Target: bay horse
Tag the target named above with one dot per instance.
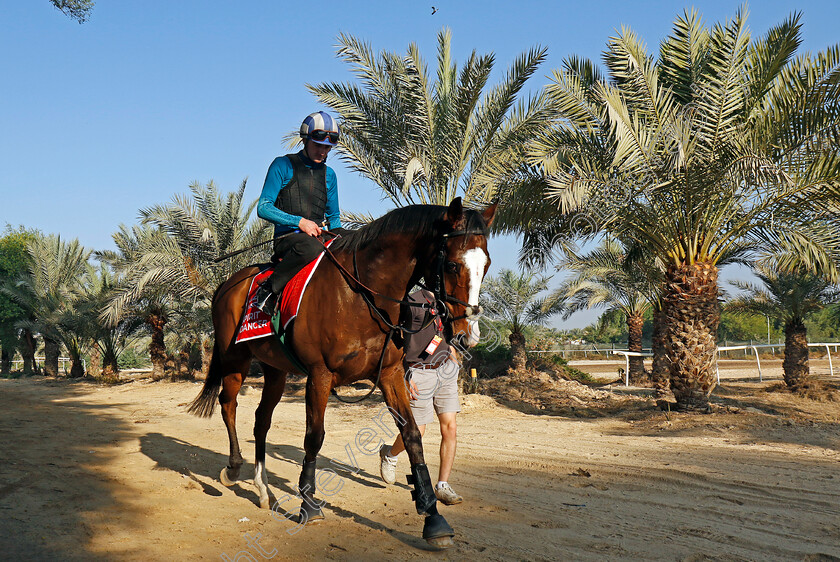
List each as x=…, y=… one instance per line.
x=342, y=334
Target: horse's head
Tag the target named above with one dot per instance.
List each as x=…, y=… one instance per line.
x=455, y=274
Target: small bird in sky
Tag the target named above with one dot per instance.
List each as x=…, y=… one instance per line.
x=434, y=10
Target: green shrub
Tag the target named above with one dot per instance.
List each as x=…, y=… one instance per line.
x=489, y=362
x=130, y=359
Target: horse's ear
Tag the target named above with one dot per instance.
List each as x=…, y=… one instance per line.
x=490, y=213
x=455, y=214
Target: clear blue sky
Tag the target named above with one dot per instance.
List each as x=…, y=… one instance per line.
x=102, y=119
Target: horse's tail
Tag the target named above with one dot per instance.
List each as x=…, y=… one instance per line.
x=205, y=403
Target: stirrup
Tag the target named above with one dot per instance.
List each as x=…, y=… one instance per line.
x=266, y=300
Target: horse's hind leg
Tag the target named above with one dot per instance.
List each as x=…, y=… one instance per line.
x=274, y=385
x=231, y=384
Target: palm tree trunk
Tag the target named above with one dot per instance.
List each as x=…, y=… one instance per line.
x=157, y=347
x=795, y=365
x=170, y=366
x=27, y=352
x=692, y=316
x=659, y=369
x=5, y=360
x=109, y=363
x=196, y=360
x=635, y=323
x=182, y=362
x=76, y=368
x=517, y=348
x=95, y=367
x=51, y=353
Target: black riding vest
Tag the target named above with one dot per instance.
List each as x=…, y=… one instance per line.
x=306, y=193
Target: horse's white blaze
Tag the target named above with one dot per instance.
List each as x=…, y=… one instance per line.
x=259, y=482
x=475, y=260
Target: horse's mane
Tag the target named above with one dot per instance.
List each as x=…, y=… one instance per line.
x=420, y=221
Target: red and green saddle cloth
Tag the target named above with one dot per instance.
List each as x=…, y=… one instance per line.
x=258, y=324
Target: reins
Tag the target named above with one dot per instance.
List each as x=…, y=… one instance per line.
x=439, y=292
x=440, y=287
x=263, y=243
x=367, y=293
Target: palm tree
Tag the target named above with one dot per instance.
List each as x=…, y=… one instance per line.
x=75, y=340
x=107, y=340
x=511, y=299
x=790, y=297
x=720, y=145
x=46, y=291
x=196, y=231
x=78, y=10
x=169, y=263
x=134, y=297
x=190, y=329
x=609, y=276
x=427, y=139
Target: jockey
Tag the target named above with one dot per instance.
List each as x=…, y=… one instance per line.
x=300, y=197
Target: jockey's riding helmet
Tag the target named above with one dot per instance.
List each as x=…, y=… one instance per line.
x=321, y=128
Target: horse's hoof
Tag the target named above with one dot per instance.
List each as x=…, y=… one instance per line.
x=223, y=478
x=310, y=513
x=437, y=531
x=441, y=542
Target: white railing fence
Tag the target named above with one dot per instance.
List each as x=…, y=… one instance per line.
x=587, y=350
x=746, y=348
x=63, y=363
x=627, y=355
x=755, y=349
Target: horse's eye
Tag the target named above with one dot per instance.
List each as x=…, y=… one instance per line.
x=451, y=267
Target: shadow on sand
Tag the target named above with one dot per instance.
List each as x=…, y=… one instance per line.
x=192, y=460
x=53, y=443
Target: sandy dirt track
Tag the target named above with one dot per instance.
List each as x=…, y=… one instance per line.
x=123, y=473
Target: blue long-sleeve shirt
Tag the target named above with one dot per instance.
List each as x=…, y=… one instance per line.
x=280, y=173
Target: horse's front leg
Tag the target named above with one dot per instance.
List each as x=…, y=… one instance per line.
x=318, y=387
x=436, y=530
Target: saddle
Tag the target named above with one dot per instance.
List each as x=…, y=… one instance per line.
x=284, y=307
x=262, y=319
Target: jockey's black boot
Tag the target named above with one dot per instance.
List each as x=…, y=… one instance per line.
x=266, y=300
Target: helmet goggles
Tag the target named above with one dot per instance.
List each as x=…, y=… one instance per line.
x=321, y=128
x=320, y=136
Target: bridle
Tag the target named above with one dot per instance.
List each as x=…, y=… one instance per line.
x=442, y=263
x=438, y=308
x=438, y=289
